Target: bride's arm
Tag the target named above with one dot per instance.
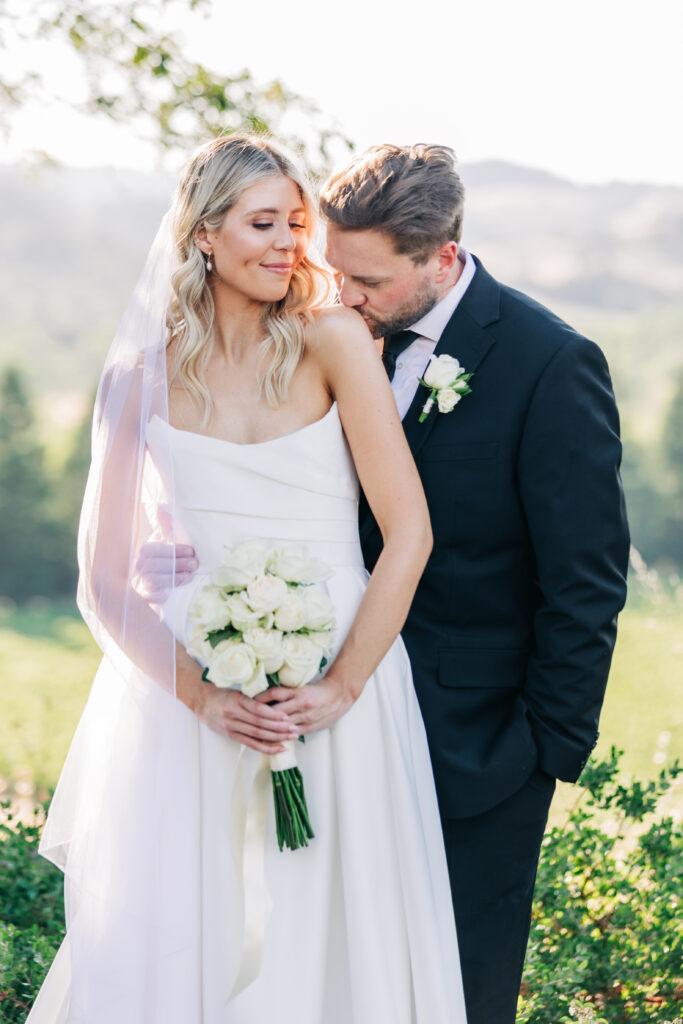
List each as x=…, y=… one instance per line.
x=353, y=370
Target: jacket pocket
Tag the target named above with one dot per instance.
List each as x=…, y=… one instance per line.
x=458, y=452
x=467, y=667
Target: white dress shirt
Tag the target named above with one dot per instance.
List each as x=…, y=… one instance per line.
x=413, y=361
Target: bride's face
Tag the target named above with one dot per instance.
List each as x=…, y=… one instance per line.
x=262, y=238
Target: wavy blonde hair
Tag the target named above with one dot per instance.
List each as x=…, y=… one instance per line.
x=212, y=182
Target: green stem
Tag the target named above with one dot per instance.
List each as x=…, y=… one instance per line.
x=292, y=822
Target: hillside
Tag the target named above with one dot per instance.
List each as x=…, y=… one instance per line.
x=608, y=258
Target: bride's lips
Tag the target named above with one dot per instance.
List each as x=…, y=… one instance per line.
x=278, y=268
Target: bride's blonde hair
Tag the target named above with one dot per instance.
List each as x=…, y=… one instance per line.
x=212, y=182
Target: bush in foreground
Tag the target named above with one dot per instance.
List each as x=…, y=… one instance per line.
x=31, y=916
x=606, y=944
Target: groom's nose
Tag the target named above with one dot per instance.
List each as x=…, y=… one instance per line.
x=350, y=294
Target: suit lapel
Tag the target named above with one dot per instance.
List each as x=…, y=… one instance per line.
x=464, y=338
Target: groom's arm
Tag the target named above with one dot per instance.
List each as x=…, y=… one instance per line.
x=571, y=491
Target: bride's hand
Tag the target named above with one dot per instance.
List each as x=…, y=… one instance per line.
x=311, y=707
x=246, y=720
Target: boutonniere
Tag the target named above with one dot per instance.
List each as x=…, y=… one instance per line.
x=447, y=383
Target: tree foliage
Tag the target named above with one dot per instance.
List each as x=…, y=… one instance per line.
x=673, y=438
x=138, y=74
x=37, y=555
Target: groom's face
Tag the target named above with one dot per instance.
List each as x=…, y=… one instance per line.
x=389, y=290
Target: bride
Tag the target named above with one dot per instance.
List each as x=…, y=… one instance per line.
x=237, y=404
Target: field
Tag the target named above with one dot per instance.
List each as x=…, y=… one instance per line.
x=48, y=659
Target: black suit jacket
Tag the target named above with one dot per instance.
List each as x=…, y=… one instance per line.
x=511, y=631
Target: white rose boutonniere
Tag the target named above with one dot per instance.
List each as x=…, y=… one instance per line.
x=447, y=383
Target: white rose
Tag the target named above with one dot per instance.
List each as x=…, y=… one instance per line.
x=243, y=563
x=266, y=593
x=447, y=399
x=267, y=646
x=322, y=638
x=257, y=684
x=199, y=647
x=442, y=371
x=294, y=564
x=319, y=610
x=291, y=614
x=233, y=665
x=302, y=661
x=209, y=610
x=241, y=615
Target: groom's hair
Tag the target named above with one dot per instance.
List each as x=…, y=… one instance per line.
x=414, y=194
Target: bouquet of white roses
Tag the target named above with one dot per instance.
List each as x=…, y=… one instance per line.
x=259, y=623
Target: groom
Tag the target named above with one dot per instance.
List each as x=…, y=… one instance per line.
x=511, y=631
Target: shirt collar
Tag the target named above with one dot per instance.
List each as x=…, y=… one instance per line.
x=432, y=324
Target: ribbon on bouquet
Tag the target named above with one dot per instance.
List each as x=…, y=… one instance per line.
x=249, y=821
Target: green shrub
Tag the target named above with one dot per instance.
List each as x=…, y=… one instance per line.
x=31, y=916
x=606, y=942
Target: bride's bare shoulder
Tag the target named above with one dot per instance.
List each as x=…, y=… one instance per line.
x=337, y=326
x=338, y=318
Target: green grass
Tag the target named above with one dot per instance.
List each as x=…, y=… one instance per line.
x=643, y=710
x=47, y=662
x=48, y=659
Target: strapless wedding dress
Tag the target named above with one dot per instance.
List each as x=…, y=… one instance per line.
x=361, y=929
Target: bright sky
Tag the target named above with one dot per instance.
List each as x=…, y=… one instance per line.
x=591, y=90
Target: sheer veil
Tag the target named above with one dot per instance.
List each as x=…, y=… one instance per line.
x=134, y=737
x=126, y=496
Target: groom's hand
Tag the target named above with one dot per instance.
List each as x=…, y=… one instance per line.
x=160, y=567
x=312, y=707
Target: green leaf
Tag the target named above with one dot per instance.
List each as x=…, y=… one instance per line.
x=217, y=636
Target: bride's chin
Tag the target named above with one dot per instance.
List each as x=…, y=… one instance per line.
x=275, y=294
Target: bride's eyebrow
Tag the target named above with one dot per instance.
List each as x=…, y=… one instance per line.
x=273, y=211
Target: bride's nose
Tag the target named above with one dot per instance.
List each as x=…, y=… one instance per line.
x=285, y=240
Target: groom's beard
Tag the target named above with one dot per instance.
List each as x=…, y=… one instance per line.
x=405, y=316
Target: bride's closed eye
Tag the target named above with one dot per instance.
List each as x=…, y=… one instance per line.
x=263, y=226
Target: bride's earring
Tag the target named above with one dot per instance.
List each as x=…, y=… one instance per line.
x=209, y=264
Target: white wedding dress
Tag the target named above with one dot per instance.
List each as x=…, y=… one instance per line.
x=361, y=929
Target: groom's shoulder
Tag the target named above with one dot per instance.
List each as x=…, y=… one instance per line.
x=528, y=324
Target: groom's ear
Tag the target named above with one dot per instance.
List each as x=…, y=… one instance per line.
x=447, y=257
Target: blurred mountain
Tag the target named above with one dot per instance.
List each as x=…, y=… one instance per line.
x=608, y=247
x=609, y=258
